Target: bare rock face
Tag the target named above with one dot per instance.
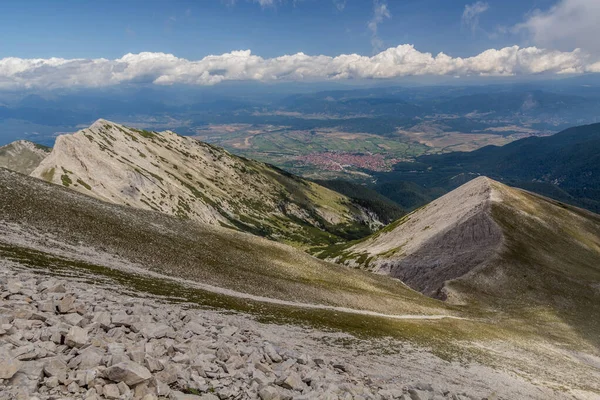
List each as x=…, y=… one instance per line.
x=181, y=176
x=437, y=243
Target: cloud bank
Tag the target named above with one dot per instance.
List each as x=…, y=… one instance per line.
x=400, y=61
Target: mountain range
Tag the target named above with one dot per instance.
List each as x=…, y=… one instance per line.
x=448, y=249
x=181, y=176
x=564, y=166
x=488, y=273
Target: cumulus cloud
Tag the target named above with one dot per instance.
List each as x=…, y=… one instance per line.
x=471, y=13
x=566, y=25
x=380, y=13
x=167, y=69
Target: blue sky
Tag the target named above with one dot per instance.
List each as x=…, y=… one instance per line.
x=52, y=44
x=193, y=29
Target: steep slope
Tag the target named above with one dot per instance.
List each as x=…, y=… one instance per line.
x=22, y=156
x=387, y=209
x=489, y=244
x=181, y=176
x=45, y=223
x=438, y=242
x=138, y=254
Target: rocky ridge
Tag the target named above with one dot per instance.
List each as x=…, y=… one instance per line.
x=488, y=243
x=178, y=175
x=440, y=241
x=22, y=156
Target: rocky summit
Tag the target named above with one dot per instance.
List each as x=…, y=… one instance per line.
x=181, y=176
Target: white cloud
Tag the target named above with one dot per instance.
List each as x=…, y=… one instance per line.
x=471, y=13
x=339, y=4
x=380, y=12
x=167, y=69
x=568, y=24
x=265, y=3
x=262, y=3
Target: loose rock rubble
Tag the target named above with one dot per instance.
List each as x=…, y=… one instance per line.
x=69, y=339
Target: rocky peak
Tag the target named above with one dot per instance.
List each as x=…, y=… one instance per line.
x=178, y=175
x=22, y=156
x=438, y=242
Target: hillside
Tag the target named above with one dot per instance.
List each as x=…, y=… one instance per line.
x=494, y=246
x=387, y=209
x=22, y=156
x=181, y=176
x=36, y=216
x=565, y=166
x=145, y=261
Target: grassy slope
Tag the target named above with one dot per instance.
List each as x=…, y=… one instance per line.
x=548, y=271
x=239, y=261
x=367, y=197
x=200, y=252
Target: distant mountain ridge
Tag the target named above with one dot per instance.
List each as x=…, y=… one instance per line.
x=564, y=166
x=181, y=176
x=22, y=156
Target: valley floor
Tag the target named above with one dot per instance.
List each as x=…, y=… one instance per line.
x=76, y=335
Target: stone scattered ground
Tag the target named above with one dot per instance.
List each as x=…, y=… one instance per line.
x=68, y=338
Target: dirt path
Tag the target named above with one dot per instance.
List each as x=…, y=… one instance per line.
x=89, y=255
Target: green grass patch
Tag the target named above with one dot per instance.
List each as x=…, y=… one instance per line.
x=84, y=184
x=66, y=181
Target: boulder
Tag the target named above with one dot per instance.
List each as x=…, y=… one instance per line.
x=293, y=382
x=102, y=318
x=66, y=304
x=111, y=391
x=269, y=393
x=77, y=337
x=128, y=372
x=272, y=353
x=123, y=319
x=56, y=367
x=154, y=331
x=8, y=365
